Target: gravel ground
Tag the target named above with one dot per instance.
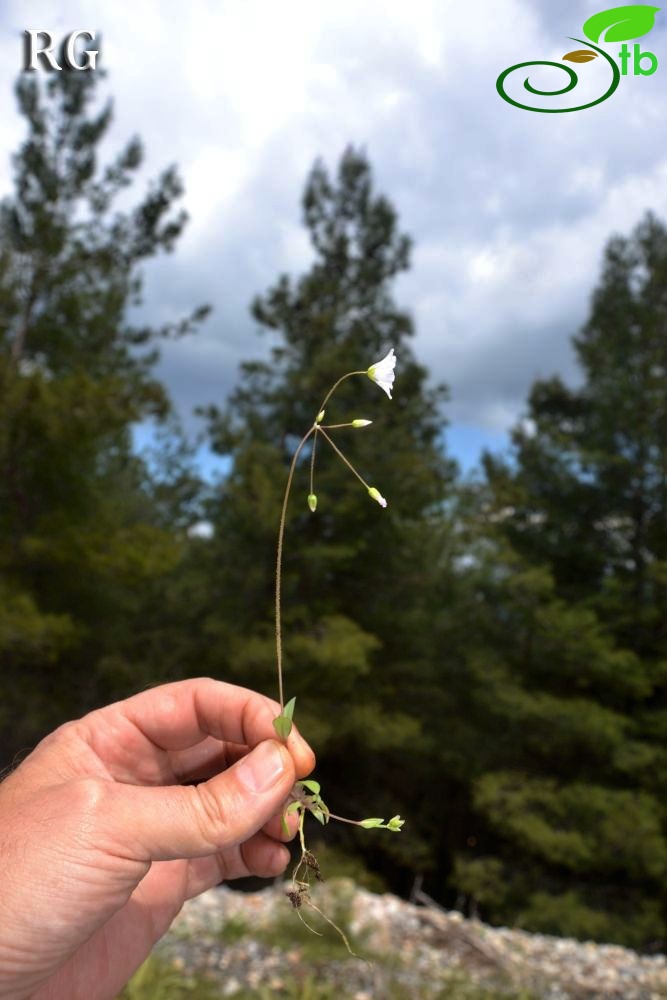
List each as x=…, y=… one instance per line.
x=230, y=937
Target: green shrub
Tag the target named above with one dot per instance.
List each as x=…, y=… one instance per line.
x=156, y=980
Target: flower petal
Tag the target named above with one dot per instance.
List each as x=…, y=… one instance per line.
x=382, y=372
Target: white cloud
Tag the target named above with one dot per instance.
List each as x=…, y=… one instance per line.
x=509, y=210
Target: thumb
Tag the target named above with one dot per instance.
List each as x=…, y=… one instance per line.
x=161, y=824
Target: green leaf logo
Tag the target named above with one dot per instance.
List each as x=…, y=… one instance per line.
x=620, y=23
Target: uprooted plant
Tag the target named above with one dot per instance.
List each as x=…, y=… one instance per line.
x=306, y=795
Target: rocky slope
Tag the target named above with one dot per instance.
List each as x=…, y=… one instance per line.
x=255, y=941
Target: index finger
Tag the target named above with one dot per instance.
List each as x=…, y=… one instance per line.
x=181, y=714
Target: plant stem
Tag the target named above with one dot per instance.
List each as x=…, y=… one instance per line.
x=301, y=836
x=342, y=819
x=342, y=456
x=302, y=839
x=279, y=566
x=335, y=386
x=334, y=427
x=312, y=462
x=281, y=530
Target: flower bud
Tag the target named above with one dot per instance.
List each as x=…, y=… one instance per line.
x=320, y=417
x=376, y=495
x=361, y=423
x=312, y=502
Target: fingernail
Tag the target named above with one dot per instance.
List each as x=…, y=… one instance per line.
x=262, y=767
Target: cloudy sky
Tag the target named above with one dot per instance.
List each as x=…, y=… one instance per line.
x=509, y=210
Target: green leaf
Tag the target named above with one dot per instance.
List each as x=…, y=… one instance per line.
x=283, y=726
x=319, y=816
x=620, y=23
x=292, y=807
x=312, y=786
x=283, y=722
x=373, y=823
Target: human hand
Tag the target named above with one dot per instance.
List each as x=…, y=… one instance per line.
x=100, y=843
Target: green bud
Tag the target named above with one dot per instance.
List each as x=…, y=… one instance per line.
x=395, y=823
x=312, y=502
x=371, y=824
x=376, y=495
x=374, y=823
x=320, y=417
x=361, y=423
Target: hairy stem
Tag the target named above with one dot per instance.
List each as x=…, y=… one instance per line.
x=302, y=839
x=312, y=462
x=279, y=566
x=342, y=819
x=335, y=386
x=283, y=514
x=334, y=427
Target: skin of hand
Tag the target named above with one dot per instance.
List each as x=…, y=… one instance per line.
x=101, y=842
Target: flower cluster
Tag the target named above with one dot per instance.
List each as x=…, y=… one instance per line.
x=382, y=373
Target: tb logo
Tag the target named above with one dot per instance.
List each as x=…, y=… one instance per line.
x=38, y=43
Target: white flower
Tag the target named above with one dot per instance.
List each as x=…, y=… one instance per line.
x=382, y=372
x=376, y=495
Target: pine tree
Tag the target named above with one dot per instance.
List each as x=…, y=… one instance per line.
x=576, y=619
x=79, y=536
